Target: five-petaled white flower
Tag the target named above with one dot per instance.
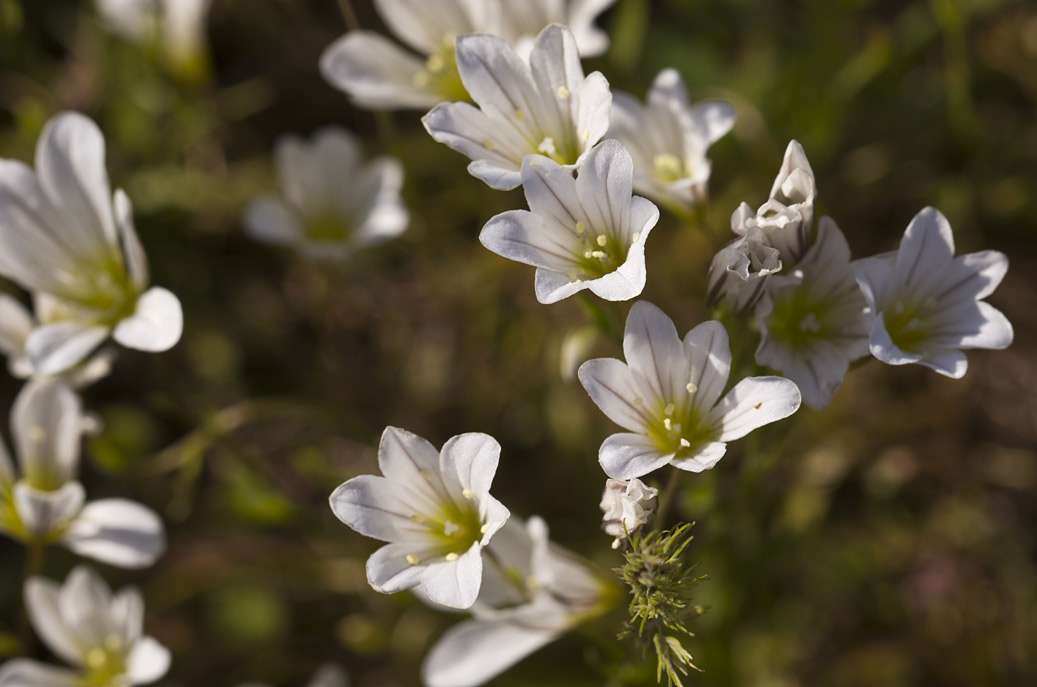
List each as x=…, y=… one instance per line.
x=545, y=106
x=332, y=202
x=582, y=233
x=533, y=593
x=668, y=138
x=815, y=321
x=435, y=509
x=928, y=304
x=88, y=627
x=739, y=270
x=64, y=238
x=627, y=505
x=45, y=504
x=379, y=74
x=668, y=394
x=329, y=675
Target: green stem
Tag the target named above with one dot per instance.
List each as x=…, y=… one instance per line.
x=33, y=567
x=348, y=15
x=667, y=499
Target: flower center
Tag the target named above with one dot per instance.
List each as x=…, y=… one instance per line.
x=103, y=285
x=599, y=254
x=327, y=228
x=440, y=74
x=677, y=427
x=908, y=323
x=669, y=168
x=454, y=528
x=798, y=319
x=106, y=665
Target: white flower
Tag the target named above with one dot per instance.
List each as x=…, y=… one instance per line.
x=545, y=106
x=96, y=632
x=332, y=203
x=929, y=304
x=788, y=216
x=627, y=505
x=669, y=138
x=379, y=74
x=668, y=394
x=533, y=593
x=739, y=270
x=582, y=233
x=815, y=321
x=329, y=675
x=45, y=504
x=179, y=25
x=64, y=238
x=435, y=509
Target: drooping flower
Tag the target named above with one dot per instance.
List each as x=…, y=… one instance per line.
x=929, y=304
x=177, y=25
x=329, y=675
x=668, y=138
x=332, y=203
x=815, y=321
x=545, y=106
x=378, y=74
x=668, y=395
x=64, y=238
x=96, y=632
x=435, y=510
x=582, y=233
x=739, y=271
x=42, y=503
x=534, y=593
x=627, y=505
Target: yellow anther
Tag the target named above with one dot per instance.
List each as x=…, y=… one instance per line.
x=520, y=115
x=411, y=559
x=417, y=518
x=599, y=254
x=580, y=227
x=602, y=240
x=96, y=658
x=588, y=254
x=485, y=528
x=468, y=493
x=685, y=443
x=668, y=424
x=635, y=237
x=547, y=146
x=563, y=93
x=435, y=63
x=586, y=135
x=488, y=144
x=691, y=388
x=668, y=167
x=451, y=556
x=668, y=410
x=638, y=401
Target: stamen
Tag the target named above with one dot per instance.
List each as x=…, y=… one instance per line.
x=417, y=518
x=602, y=240
x=638, y=401
x=96, y=658
x=563, y=93
x=668, y=424
x=691, y=388
x=449, y=528
x=580, y=227
x=668, y=410
x=635, y=237
x=520, y=115
x=435, y=63
x=468, y=494
x=599, y=254
x=547, y=146
x=685, y=443
x=451, y=556
x=485, y=528
x=411, y=559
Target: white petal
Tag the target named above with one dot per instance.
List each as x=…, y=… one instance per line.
x=117, y=532
x=474, y=651
x=46, y=512
x=704, y=457
x=976, y=325
x=555, y=67
x=379, y=508
x=376, y=72
x=23, y=672
x=714, y=117
x=127, y=614
x=407, y=458
x=755, y=402
x=496, y=149
x=925, y=253
x=948, y=362
x=6, y=469
x=972, y=276
x=269, y=220
x=708, y=353
x=330, y=675
x=612, y=387
x=454, y=584
x=595, y=109
x=156, y=324
x=43, y=604
x=625, y=456
x=654, y=353
x=389, y=572
x=85, y=601
x=147, y=662
x=424, y=25
x=496, y=78
x=605, y=186
x=469, y=461
x=883, y=347
x=54, y=348
x=15, y=325
x=875, y=277
x=551, y=286
x=551, y=193
x=386, y=217
x=524, y=237
x=46, y=423
x=136, y=260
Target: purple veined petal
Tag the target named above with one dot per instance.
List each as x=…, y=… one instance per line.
x=46, y=425
x=753, y=403
x=21, y=672
x=148, y=661
x=947, y=361
x=883, y=347
x=43, y=604
x=423, y=24
x=612, y=387
x=654, y=353
x=605, y=187
x=794, y=168
x=558, y=75
x=156, y=323
x=475, y=651
x=551, y=193
x=524, y=237
x=972, y=276
x=495, y=515
x=969, y=324
x=54, y=348
x=381, y=509
x=925, y=254
x=594, y=111
x=875, y=277
x=708, y=353
x=388, y=570
x=376, y=73
x=405, y=457
x=496, y=149
x=468, y=463
x=454, y=583
x=625, y=456
x=625, y=282
x=704, y=457
x=499, y=81
x=818, y=371
x=270, y=221
x=133, y=251
x=117, y=532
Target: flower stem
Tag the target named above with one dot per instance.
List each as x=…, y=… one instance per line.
x=667, y=498
x=348, y=15
x=33, y=567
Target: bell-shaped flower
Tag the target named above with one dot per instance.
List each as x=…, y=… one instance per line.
x=332, y=202
x=42, y=503
x=98, y=633
x=627, y=505
x=582, y=233
x=329, y=675
x=668, y=138
x=739, y=271
x=435, y=510
x=545, y=106
x=815, y=322
x=788, y=216
x=929, y=304
x=533, y=593
x=68, y=241
x=668, y=395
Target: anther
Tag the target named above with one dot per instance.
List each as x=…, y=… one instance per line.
x=563, y=92
x=691, y=388
x=602, y=240
x=411, y=559
x=451, y=556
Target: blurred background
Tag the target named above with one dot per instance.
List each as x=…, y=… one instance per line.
x=886, y=541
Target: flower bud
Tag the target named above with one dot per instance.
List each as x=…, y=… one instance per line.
x=627, y=504
x=739, y=270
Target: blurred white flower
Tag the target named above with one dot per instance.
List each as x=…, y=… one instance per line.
x=332, y=202
x=545, y=106
x=379, y=74
x=96, y=632
x=582, y=233
x=627, y=505
x=814, y=322
x=788, y=216
x=668, y=138
x=329, y=675
x=65, y=239
x=668, y=394
x=928, y=304
x=435, y=509
x=532, y=593
x=43, y=503
x=739, y=270
x=178, y=25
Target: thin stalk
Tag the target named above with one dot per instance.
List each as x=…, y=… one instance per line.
x=348, y=15
x=667, y=499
